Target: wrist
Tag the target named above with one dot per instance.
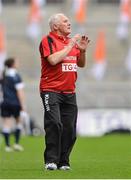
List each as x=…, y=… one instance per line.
x=82, y=50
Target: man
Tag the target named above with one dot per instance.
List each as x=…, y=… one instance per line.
x=60, y=56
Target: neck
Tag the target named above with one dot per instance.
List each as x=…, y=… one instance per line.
x=60, y=34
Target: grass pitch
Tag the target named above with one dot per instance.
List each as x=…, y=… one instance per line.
x=103, y=157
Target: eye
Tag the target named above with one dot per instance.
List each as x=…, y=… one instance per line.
x=66, y=21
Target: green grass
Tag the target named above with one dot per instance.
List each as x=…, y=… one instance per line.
x=103, y=157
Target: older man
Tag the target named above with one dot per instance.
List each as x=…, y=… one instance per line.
x=60, y=56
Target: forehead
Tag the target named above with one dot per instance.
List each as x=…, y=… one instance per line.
x=64, y=18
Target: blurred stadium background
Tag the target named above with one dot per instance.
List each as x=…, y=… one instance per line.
x=104, y=93
x=103, y=87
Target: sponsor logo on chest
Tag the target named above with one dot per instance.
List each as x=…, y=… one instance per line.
x=67, y=67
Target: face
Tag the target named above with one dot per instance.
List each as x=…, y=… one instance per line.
x=16, y=64
x=64, y=26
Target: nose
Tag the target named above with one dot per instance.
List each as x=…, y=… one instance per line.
x=69, y=24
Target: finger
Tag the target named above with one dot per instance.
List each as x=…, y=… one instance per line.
x=77, y=36
x=85, y=38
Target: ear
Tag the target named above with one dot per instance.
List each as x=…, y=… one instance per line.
x=55, y=27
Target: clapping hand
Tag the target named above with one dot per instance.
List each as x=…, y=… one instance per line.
x=75, y=39
x=83, y=43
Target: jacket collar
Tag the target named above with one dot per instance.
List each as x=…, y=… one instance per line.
x=60, y=37
x=10, y=72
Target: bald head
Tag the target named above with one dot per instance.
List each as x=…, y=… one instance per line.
x=60, y=24
x=55, y=20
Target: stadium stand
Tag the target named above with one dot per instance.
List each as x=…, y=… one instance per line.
x=114, y=91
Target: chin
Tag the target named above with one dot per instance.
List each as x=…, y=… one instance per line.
x=68, y=33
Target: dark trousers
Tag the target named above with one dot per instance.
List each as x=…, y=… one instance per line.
x=60, y=126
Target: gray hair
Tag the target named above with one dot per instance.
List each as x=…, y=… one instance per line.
x=54, y=19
